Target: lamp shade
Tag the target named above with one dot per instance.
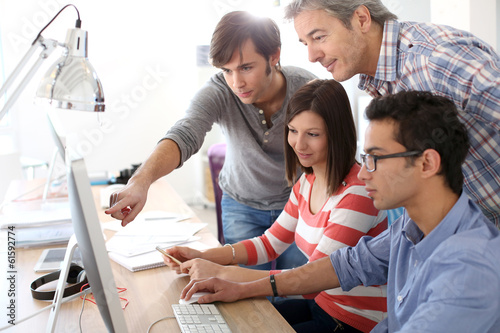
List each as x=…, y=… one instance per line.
x=71, y=82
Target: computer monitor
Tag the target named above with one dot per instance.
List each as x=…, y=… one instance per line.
x=61, y=147
x=90, y=241
x=60, y=150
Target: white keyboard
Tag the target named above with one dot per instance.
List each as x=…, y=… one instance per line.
x=199, y=318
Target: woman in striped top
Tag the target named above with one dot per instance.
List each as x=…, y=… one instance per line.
x=328, y=209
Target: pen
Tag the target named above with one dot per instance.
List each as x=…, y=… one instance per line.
x=168, y=255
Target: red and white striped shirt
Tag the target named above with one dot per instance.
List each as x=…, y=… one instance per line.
x=347, y=216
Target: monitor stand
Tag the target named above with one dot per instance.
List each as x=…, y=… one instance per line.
x=61, y=284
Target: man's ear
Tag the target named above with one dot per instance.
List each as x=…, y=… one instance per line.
x=362, y=18
x=431, y=163
x=275, y=57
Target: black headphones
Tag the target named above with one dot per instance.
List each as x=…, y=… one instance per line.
x=76, y=276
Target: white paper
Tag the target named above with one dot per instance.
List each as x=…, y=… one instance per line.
x=160, y=228
x=132, y=246
x=25, y=219
x=143, y=236
x=158, y=216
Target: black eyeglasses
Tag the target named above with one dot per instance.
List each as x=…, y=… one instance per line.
x=371, y=160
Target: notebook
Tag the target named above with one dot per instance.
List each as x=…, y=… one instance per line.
x=139, y=262
x=147, y=260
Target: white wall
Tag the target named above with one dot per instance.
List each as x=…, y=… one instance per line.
x=497, y=21
x=145, y=55
x=476, y=16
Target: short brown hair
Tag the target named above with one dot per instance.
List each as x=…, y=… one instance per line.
x=235, y=28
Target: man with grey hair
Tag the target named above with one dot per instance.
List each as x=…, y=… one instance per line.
x=364, y=37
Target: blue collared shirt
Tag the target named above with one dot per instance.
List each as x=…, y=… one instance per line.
x=448, y=281
x=457, y=65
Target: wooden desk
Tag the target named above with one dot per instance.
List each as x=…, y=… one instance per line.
x=150, y=292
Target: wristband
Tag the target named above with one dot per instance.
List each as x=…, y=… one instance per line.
x=273, y=285
x=234, y=252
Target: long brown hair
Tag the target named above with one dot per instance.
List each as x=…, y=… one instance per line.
x=329, y=100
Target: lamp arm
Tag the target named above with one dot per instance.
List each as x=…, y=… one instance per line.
x=48, y=46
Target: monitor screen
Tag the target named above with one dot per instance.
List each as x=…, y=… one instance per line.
x=91, y=243
x=61, y=147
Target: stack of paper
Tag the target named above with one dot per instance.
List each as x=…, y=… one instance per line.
x=43, y=225
x=39, y=218
x=133, y=246
x=56, y=234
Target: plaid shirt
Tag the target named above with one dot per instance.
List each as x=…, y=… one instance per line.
x=461, y=67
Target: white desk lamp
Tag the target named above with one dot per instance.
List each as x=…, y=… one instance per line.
x=70, y=83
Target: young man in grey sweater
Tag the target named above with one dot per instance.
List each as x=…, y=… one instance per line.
x=248, y=100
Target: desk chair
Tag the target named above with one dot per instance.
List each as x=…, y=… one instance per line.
x=216, y=156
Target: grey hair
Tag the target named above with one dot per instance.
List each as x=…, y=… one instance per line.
x=341, y=9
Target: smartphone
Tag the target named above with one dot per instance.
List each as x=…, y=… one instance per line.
x=168, y=255
x=51, y=259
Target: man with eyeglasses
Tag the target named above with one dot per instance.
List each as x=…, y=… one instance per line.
x=439, y=260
